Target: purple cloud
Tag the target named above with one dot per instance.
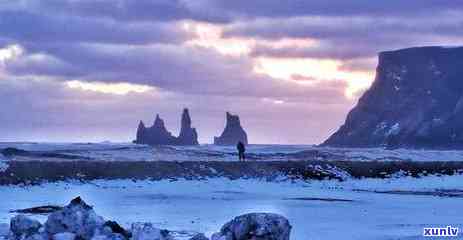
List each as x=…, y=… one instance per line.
x=143, y=42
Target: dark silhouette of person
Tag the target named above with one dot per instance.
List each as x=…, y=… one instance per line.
x=241, y=149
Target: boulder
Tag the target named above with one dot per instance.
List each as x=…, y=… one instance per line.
x=146, y=231
x=415, y=101
x=78, y=221
x=199, y=236
x=111, y=230
x=22, y=227
x=233, y=132
x=77, y=218
x=255, y=226
x=114, y=228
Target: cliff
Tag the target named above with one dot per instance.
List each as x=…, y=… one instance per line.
x=416, y=100
x=158, y=134
x=233, y=132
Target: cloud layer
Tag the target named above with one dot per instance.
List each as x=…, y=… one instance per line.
x=292, y=65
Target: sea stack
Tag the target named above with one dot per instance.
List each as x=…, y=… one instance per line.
x=154, y=135
x=233, y=132
x=415, y=101
x=188, y=135
x=158, y=134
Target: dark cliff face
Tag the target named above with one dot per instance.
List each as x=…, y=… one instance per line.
x=188, y=135
x=158, y=134
x=233, y=132
x=416, y=100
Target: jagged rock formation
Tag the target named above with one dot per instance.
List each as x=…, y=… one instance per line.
x=154, y=135
x=233, y=132
x=416, y=100
x=158, y=134
x=188, y=135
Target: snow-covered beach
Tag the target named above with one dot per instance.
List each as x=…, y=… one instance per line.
x=393, y=205
x=316, y=209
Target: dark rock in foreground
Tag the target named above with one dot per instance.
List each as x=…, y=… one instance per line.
x=416, y=100
x=78, y=221
x=158, y=134
x=233, y=132
x=262, y=226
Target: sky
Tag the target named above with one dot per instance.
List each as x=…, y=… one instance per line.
x=89, y=70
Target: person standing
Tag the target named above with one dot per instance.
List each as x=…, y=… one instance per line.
x=241, y=149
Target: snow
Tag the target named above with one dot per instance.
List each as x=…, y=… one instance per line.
x=393, y=130
x=64, y=236
x=204, y=206
x=146, y=231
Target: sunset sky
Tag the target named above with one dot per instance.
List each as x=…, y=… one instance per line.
x=89, y=70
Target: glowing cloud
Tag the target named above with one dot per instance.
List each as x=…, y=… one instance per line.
x=315, y=69
x=10, y=52
x=109, y=88
x=211, y=36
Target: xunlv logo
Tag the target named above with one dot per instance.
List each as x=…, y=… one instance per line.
x=440, y=232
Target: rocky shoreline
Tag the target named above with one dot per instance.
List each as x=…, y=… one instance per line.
x=36, y=172
x=79, y=221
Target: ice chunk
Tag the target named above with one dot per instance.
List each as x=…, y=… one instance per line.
x=264, y=226
x=22, y=227
x=146, y=231
x=77, y=217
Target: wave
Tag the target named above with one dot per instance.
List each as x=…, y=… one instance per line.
x=135, y=152
x=208, y=152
